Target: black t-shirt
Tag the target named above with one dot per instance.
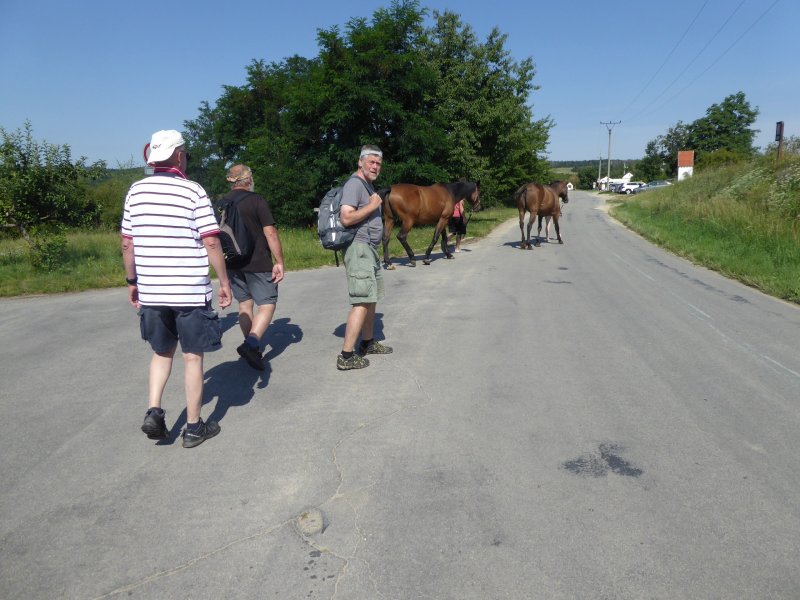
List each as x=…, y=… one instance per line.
x=256, y=214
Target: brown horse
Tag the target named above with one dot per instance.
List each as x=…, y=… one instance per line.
x=541, y=200
x=423, y=205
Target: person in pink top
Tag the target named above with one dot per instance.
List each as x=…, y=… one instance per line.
x=457, y=225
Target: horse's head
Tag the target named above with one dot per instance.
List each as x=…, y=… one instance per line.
x=561, y=189
x=474, y=196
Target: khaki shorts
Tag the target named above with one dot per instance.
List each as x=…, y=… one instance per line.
x=364, y=274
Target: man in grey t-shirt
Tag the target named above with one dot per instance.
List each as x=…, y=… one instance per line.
x=362, y=209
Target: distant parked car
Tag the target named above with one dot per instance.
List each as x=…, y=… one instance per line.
x=659, y=183
x=630, y=187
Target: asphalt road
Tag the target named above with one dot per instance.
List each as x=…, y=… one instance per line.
x=598, y=419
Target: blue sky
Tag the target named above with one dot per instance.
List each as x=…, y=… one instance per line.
x=101, y=77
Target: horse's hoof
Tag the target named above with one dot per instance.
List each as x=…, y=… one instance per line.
x=449, y=256
x=412, y=264
x=390, y=267
x=560, y=241
x=426, y=261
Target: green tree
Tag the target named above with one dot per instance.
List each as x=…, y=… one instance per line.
x=481, y=101
x=587, y=177
x=440, y=104
x=726, y=126
x=41, y=188
x=652, y=165
x=108, y=193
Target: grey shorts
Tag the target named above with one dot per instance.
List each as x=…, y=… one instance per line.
x=364, y=274
x=258, y=287
x=196, y=327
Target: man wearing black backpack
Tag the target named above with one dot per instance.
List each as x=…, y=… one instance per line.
x=256, y=281
x=361, y=209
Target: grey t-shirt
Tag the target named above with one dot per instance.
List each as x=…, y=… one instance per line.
x=354, y=193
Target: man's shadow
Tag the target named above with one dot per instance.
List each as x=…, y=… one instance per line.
x=233, y=383
x=377, y=328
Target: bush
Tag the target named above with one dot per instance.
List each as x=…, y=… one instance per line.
x=783, y=196
x=48, y=251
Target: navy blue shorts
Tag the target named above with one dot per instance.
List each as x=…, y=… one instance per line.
x=196, y=327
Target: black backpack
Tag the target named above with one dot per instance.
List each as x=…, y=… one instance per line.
x=234, y=236
x=332, y=234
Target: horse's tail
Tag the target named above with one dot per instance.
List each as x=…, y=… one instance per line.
x=387, y=210
x=519, y=193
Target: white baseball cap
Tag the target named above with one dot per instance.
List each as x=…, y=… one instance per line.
x=163, y=144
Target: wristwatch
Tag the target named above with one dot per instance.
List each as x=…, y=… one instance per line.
x=131, y=281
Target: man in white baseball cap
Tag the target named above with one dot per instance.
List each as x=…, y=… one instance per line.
x=163, y=144
x=169, y=237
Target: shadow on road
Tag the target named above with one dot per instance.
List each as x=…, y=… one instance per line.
x=233, y=383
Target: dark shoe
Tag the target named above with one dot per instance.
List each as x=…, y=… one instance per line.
x=154, y=425
x=251, y=355
x=375, y=348
x=354, y=362
x=200, y=435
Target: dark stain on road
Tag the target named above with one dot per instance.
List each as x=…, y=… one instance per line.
x=598, y=464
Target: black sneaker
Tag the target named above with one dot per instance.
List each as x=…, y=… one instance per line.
x=251, y=355
x=201, y=434
x=154, y=425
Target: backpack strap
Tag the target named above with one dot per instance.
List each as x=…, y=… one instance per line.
x=367, y=186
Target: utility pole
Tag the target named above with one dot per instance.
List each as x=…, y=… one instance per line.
x=609, y=125
x=599, y=165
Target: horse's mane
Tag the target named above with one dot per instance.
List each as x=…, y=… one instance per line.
x=461, y=189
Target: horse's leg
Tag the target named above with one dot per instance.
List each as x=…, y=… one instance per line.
x=539, y=227
x=402, y=237
x=530, y=226
x=436, y=233
x=522, y=244
x=446, y=242
x=558, y=232
x=388, y=224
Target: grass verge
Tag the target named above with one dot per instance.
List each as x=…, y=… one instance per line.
x=94, y=260
x=716, y=220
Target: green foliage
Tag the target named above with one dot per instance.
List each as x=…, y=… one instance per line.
x=722, y=136
x=440, y=104
x=40, y=187
x=651, y=166
x=108, y=195
x=587, y=177
x=791, y=147
x=720, y=158
x=726, y=126
x=48, y=251
x=783, y=196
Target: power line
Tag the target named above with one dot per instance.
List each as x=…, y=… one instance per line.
x=728, y=49
x=691, y=62
x=671, y=52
